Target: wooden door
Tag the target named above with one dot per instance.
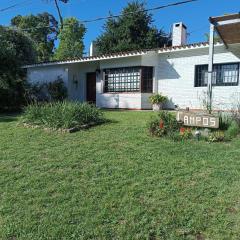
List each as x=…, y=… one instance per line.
x=91, y=87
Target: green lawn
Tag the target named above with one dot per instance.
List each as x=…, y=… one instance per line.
x=115, y=182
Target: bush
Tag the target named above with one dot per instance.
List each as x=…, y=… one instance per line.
x=62, y=115
x=46, y=92
x=186, y=133
x=164, y=124
x=236, y=112
x=154, y=127
x=224, y=120
x=216, y=136
x=233, y=130
x=16, y=50
x=57, y=90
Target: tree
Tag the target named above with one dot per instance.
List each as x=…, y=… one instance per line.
x=16, y=50
x=43, y=29
x=216, y=37
x=131, y=31
x=71, y=39
x=59, y=11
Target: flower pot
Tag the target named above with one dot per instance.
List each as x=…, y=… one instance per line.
x=157, y=106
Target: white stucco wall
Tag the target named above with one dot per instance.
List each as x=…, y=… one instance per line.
x=176, y=75
x=78, y=73
x=47, y=74
x=41, y=75
x=70, y=74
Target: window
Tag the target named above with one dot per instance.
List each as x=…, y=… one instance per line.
x=223, y=75
x=128, y=79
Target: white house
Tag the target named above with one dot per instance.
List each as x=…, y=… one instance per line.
x=127, y=79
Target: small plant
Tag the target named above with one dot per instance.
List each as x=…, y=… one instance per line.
x=204, y=98
x=164, y=124
x=155, y=127
x=62, y=115
x=216, y=136
x=157, y=100
x=186, y=133
x=182, y=134
x=175, y=136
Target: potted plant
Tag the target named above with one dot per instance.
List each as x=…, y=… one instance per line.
x=157, y=100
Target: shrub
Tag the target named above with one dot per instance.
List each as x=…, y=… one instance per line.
x=233, y=130
x=57, y=90
x=181, y=134
x=164, y=124
x=62, y=115
x=224, y=120
x=157, y=98
x=36, y=93
x=16, y=50
x=154, y=127
x=186, y=133
x=236, y=111
x=46, y=92
x=216, y=136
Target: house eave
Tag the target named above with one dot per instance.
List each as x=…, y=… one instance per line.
x=125, y=55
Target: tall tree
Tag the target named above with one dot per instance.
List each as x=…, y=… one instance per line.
x=16, y=49
x=56, y=2
x=43, y=29
x=71, y=39
x=132, y=30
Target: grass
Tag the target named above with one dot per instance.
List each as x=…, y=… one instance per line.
x=114, y=181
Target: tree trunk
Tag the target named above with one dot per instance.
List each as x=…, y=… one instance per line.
x=59, y=14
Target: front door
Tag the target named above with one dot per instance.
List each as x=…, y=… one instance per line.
x=91, y=87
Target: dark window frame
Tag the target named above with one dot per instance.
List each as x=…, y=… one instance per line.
x=219, y=75
x=141, y=80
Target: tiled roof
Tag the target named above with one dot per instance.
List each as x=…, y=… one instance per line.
x=120, y=54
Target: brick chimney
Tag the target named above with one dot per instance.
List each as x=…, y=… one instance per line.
x=179, y=34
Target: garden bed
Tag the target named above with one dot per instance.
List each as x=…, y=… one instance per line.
x=61, y=130
x=62, y=116
x=165, y=124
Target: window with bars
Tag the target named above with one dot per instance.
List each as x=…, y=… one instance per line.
x=128, y=79
x=222, y=75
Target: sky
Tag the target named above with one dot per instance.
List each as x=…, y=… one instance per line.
x=194, y=15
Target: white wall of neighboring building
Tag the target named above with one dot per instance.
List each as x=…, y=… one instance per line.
x=176, y=76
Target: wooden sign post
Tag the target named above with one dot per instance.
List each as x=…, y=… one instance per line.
x=198, y=120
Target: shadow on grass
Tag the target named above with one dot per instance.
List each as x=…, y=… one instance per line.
x=6, y=118
x=104, y=122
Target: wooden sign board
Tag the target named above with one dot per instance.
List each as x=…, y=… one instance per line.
x=198, y=120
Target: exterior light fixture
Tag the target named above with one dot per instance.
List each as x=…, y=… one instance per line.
x=75, y=81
